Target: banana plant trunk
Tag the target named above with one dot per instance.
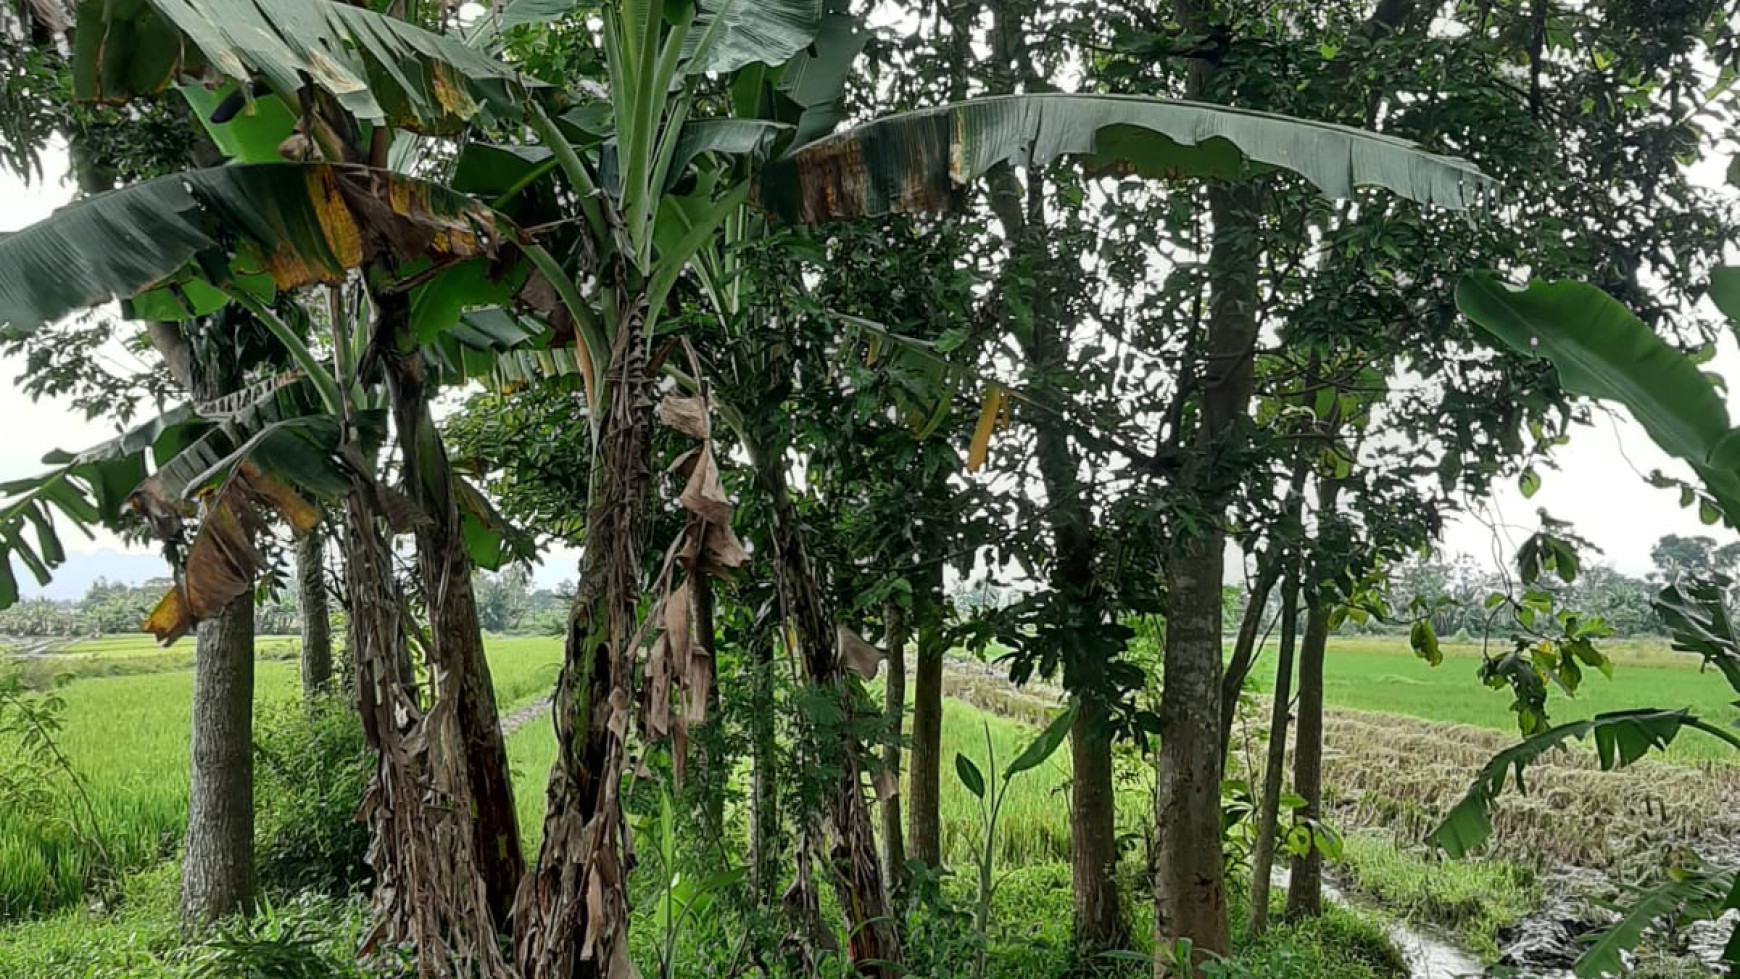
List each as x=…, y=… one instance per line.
x=429, y=892
x=764, y=818
x=571, y=914
x=456, y=637
x=853, y=864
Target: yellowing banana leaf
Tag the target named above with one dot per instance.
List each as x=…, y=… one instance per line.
x=915, y=161
x=300, y=223
x=380, y=69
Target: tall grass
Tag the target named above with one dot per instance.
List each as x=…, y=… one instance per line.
x=127, y=737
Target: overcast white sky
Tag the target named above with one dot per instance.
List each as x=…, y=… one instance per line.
x=1598, y=486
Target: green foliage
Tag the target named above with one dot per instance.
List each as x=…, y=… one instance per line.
x=311, y=766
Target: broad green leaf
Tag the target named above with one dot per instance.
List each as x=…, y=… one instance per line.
x=251, y=135
x=1725, y=292
x=915, y=161
x=970, y=775
x=294, y=221
x=1605, y=957
x=730, y=34
x=1603, y=351
x=1042, y=747
x=523, y=12
x=380, y=69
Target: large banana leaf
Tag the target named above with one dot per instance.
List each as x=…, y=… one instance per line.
x=378, y=68
x=914, y=161
x=1603, y=351
x=300, y=223
x=729, y=34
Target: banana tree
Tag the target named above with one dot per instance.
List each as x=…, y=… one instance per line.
x=611, y=284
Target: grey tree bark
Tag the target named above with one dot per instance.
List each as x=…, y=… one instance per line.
x=924, y=823
x=1305, y=886
x=894, y=713
x=764, y=819
x=217, y=865
x=1189, y=880
x=316, y=614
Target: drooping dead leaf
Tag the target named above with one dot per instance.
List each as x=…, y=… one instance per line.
x=677, y=628
x=723, y=549
x=857, y=655
x=704, y=495
x=221, y=563
x=687, y=415
x=658, y=683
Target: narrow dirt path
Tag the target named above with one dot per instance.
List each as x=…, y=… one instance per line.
x=519, y=717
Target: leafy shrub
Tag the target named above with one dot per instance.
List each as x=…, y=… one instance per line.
x=311, y=937
x=311, y=766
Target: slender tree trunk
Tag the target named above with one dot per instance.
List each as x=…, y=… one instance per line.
x=1189, y=880
x=571, y=915
x=925, y=779
x=853, y=865
x=316, y=615
x=444, y=567
x=1269, y=808
x=1305, y=888
x=764, y=819
x=1238, y=666
x=217, y=866
x=894, y=712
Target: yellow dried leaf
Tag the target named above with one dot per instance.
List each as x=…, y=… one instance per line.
x=988, y=413
x=170, y=620
x=338, y=230
x=301, y=515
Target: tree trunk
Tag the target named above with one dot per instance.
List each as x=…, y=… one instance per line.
x=764, y=820
x=894, y=712
x=1305, y=889
x=853, y=863
x=715, y=770
x=444, y=567
x=925, y=779
x=1093, y=851
x=1269, y=808
x=1238, y=666
x=217, y=866
x=1189, y=892
x=571, y=915
x=1189, y=884
x=316, y=616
